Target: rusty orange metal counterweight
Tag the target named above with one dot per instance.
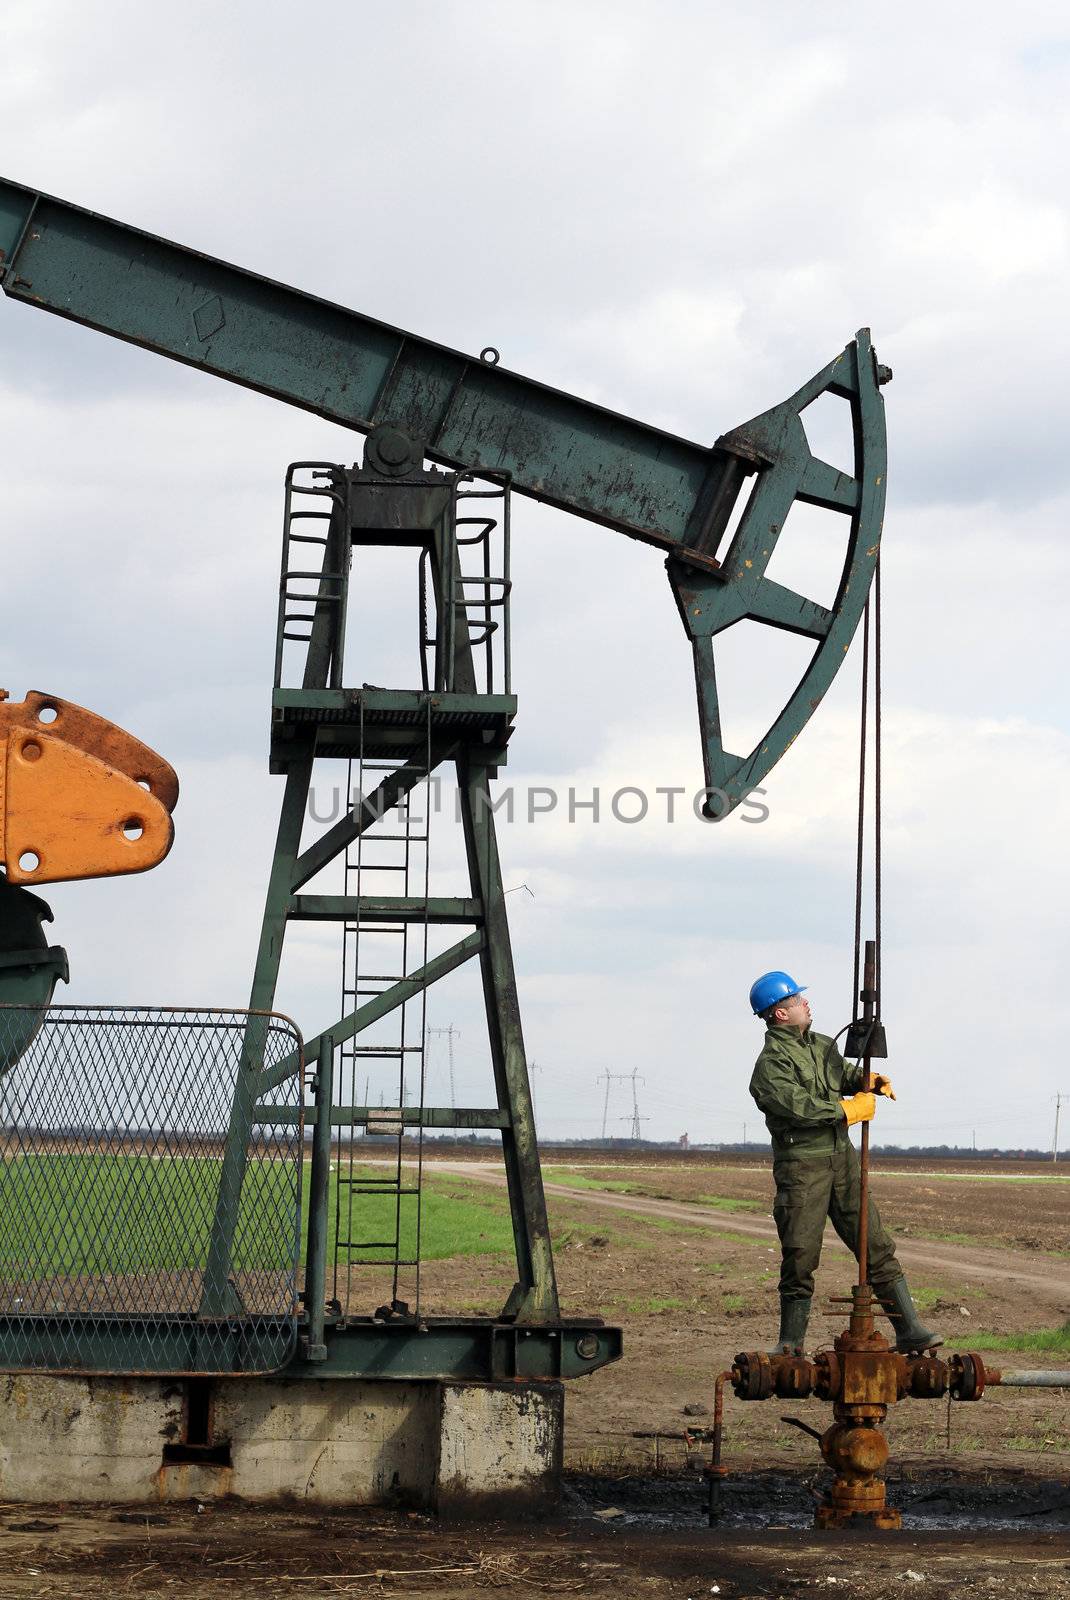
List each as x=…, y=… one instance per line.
x=79, y=797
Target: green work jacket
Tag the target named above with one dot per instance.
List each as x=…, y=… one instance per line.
x=798, y=1082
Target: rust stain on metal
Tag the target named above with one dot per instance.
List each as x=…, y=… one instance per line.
x=80, y=797
x=862, y=1375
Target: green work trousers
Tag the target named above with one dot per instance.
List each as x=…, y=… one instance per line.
x=811, y=1189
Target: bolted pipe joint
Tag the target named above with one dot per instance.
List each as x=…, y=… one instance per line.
x=923, y=1377
x=968, y=1376
x=756, y=1375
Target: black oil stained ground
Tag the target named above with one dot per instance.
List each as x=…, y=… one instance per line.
x=938, y=1501
x=987, y=1535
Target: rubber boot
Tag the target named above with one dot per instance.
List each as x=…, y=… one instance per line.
x=911, y=1334
x=794, y=1315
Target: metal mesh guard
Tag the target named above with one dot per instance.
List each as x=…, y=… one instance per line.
x=113, y=1133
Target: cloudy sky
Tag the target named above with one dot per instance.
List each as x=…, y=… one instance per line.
x=680, y=211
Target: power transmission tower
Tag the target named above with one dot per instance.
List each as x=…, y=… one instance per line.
x=449, y=1033
x=637, y=1120
x=533, y=1068
x=635, y=1130
x=607, y=1078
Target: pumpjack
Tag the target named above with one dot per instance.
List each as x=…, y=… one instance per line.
x=450, y=438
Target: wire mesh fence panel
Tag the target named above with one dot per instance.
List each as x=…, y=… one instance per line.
x=148, y=1221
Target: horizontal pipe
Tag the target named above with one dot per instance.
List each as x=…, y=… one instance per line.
x=1029, y=1380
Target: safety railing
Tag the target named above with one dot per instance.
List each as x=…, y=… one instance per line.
x=116, y=1127
x=313, y=581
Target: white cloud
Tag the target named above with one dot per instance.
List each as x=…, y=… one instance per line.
x=684, y=216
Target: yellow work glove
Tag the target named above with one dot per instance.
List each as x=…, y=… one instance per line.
x=883, y=1085
x=859, y=1108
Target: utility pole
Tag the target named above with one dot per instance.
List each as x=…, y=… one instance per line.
x=449, y=1033
x=1059, y=1098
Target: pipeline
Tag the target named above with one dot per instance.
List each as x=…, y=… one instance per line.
x=861, y=1375
x=715, y=1472
x=1029, y=1380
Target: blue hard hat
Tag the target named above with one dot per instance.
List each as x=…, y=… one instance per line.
x=771, y=987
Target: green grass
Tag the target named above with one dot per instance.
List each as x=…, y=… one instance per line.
x=952, y=1238
x=926, y=1297
x=733, y=1302
x=985, y=1241
x=67, y=1213
x=1045, y=1339
x=671, y=1225
x=652, y=1304
x=980, y=1177
x=576, y=1180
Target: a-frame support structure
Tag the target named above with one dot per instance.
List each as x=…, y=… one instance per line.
x=402, y=736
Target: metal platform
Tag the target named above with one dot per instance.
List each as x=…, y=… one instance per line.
x=385, y=723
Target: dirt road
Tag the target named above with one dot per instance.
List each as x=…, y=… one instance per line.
x=1048, y=1273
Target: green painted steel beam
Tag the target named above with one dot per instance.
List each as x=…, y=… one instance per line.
x=357, y=371
x=373, y=1010
x=475, y=1349
x=348, y=829
x=396, y=908
x=386, y=703
x=582, y=458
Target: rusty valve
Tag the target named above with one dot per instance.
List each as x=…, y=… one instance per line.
x=862, y=1376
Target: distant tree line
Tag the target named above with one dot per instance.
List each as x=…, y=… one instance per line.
x=945, y=1152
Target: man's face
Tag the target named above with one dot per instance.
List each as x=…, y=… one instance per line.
x=794, y=1013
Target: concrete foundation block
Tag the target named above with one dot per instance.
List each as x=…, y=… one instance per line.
x=86, y=1439
x=330, y=1442
x=500, y=1447
x=463, y=1449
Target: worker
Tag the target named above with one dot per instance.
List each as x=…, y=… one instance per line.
x=810, y=1097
